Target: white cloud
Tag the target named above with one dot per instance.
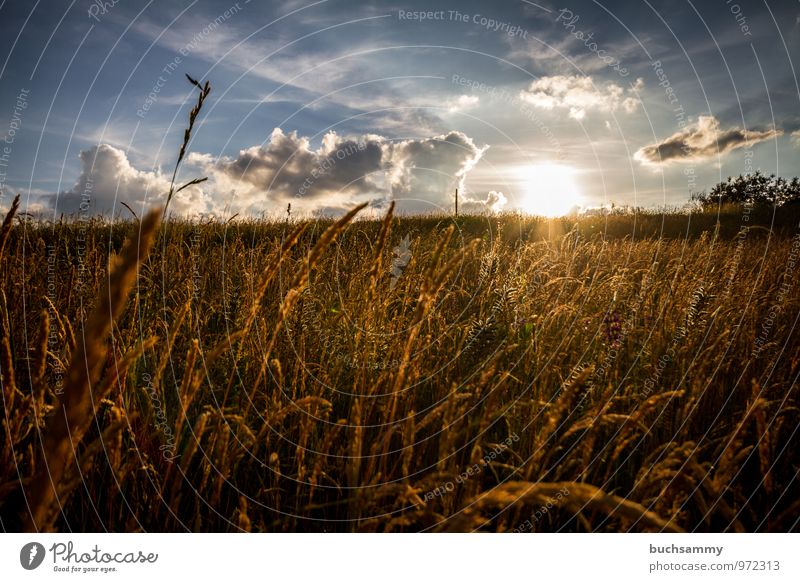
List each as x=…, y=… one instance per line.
x=420, y=173
x=343, y=170
x=701, y=141
x=494, y=202
x=108, y=178
x=580, y=94
x=463, y=102
x=796, y=138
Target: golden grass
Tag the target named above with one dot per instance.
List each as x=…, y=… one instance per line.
x=81, y=398
x=307, y=387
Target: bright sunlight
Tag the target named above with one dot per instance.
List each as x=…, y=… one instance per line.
x=549, y=189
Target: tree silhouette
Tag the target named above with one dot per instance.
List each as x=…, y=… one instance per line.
x=756, y=189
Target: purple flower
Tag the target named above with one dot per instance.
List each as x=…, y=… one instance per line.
x=612, y=327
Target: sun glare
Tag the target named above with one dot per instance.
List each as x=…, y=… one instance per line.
x=549, y=189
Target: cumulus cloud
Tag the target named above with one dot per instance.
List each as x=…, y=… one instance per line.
x=463, y=102
x=420, y=173
x=580, y=94
x=796, y=138
x=287, y=167
x=494, y=202
x=701, y=141
x=108, y=178
x=344, y=170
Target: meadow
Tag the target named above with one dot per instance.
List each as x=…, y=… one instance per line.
x=630, y=372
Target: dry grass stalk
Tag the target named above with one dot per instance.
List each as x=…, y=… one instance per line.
x=8, y=223
x=581, y=497
x=187, y=136
x=80, y=399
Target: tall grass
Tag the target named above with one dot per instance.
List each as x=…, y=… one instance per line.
x=511, y=374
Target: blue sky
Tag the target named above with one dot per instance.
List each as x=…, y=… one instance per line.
x=522, y=105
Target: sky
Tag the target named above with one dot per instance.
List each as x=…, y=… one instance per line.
x=539, y=107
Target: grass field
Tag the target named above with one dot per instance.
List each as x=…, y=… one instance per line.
x=635, y=372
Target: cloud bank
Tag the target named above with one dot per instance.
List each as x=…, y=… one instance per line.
x=419, y=173
x=701, y=141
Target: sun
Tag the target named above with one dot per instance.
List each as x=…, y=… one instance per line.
x=549, y=189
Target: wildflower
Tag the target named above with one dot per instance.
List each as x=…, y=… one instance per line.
x=612, y=327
